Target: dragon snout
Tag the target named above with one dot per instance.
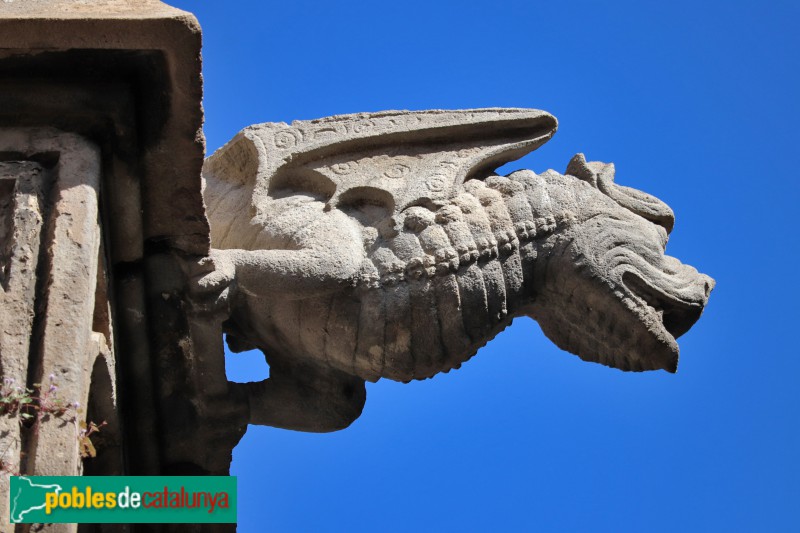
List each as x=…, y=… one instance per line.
x=709, y=283
x=677, y=296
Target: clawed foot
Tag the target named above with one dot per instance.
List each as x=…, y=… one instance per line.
x=211, y=279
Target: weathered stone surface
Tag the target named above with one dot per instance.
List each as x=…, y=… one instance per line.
x=89, y=9
x=53, y=330
x=130, y=65
x=21, y=217
x=365, y=246
x=125, y=77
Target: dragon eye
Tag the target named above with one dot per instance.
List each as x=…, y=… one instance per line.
x=367, y=204
x=302, y=181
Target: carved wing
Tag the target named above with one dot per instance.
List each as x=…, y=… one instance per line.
x=394, y=158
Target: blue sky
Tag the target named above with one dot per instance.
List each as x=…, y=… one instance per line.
x=696, y=104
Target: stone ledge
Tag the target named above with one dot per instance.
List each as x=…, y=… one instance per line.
x=151, y=47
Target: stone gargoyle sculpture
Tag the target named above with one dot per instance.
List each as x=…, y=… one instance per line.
x=383, y=245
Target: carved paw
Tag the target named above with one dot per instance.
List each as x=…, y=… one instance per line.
x=223, y=273
x=211, y=278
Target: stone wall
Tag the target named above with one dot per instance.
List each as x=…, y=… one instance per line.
x=101, y=148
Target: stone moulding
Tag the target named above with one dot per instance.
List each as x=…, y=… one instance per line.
x=55, y=330
x=124, y=76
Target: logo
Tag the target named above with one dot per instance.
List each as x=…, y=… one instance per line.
x=123, y=499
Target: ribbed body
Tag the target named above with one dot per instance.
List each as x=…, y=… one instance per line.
x=431, y=292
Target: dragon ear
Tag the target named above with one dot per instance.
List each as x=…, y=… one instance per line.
x=601, y=176
x=589, y=171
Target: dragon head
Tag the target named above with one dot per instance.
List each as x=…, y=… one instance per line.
x=608, y=292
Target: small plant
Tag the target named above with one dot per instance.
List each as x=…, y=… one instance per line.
x=14, y=400
x=38, y=404
x=84, y=442
x=50, y=403
x=33, y=403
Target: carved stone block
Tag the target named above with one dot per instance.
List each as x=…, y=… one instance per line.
x=55, y=337
x=383, y=245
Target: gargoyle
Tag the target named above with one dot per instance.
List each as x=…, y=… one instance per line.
x=383, y=245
